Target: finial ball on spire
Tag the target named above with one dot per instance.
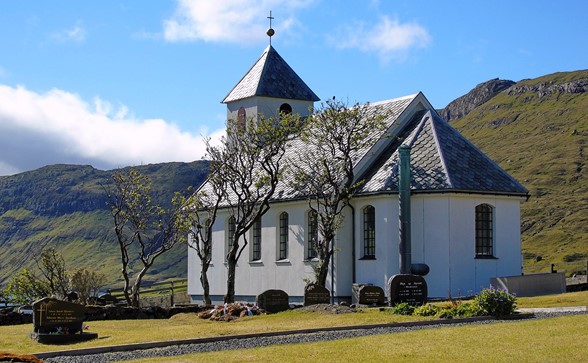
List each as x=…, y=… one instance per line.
x=270, y=32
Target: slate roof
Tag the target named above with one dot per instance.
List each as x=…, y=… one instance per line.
x=442, y=160
x=271, y=76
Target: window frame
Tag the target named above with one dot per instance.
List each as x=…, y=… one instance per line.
x=283, y=235
x=484, y=231
x=256, y=237
x=311, y=235
x=230, y=232
x=369, y=232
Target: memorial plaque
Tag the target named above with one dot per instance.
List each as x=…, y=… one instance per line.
x=316, y=294
x=411, y=289
x=273, y=301
x=56, y=321
x=364, y=294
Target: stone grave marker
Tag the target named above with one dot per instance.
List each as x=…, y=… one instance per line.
x=56, y=321
x=364, y=294
x=316, y=294
x=411, y=289
x=273, y=301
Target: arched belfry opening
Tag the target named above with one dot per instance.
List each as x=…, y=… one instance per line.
x=285, y=109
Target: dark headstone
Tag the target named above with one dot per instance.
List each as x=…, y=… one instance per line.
x=363, y=294
x=273, y=301
x=56, y=321
x=421, y=269
x=316, y=294
x=411, y=289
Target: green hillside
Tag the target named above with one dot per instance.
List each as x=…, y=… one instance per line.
x=64, y=206
x=537, y=130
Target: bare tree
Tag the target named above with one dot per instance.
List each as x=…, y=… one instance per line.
x=143, y=227
x=335, y=137
x=52, y=267
x=249, y=161
x=202, y=214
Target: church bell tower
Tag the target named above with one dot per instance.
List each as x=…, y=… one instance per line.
x=269, y=88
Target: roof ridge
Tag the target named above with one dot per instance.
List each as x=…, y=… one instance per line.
x=439, y=148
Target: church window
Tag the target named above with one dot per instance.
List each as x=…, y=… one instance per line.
x=484, y=230
x=285, y=109
x=242, y=118
x=230, y=235
x=256, y=241
x=283, y=240
x=312, y=235
x=369, y=232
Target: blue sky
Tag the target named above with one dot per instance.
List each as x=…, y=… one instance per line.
x=117, y=83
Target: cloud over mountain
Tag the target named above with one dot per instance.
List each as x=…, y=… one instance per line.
x=60, y=127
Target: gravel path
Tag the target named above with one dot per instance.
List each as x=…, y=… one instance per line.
x=176, y=350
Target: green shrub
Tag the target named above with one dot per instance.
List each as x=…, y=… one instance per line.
x=403, y=309
x=495, y=302
x=426, y=310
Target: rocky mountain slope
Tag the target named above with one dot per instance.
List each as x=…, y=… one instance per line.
x=463, y=105
x=64, y=206
x=537, y=130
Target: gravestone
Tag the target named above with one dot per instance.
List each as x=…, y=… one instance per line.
x=56, y=321
x=364, y=294
x=316, y=294
x=411, y=289
x=273, y=301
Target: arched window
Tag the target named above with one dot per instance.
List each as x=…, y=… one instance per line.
x=283, y=239
x=285, y=109
x=484, y=230
x=312, y=235
x=230, y=235
x=369, y=232
x=256, y=241
x=242, y=118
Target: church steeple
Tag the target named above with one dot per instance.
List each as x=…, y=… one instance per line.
x=271, y=76
x=269, y=86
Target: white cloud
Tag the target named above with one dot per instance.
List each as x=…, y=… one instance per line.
x=60, y=127
x=388, y=38
x=237, y=21
x=76, y=34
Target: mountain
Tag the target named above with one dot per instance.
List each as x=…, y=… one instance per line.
x=64, y=206
x=537, y=130
x=460, y=107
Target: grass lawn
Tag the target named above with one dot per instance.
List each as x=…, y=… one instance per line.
x=561, y=339
x=579, y=298
x=15, y=339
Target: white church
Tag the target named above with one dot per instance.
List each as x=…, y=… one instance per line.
x=465, y=209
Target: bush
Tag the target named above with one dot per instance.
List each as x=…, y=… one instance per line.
x=426, y=310
x=495, y=302
x=403, y=309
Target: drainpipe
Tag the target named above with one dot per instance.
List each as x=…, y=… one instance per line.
x=404, y=209
x=352, y=243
